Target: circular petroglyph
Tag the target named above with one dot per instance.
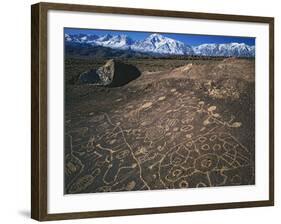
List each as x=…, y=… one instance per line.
x=216, y=147
x=187, y=128
x=227, y=146
x=187, y=120
x=176, y=172
x=188, y=144
x=202, y=139
x=205, y=147
x=213, y=138
x=183, y=184
x=206, y=162
x=177, y=160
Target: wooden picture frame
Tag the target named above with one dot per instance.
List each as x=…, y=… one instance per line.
x=39, y=109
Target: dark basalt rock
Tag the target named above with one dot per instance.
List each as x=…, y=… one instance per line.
x=112, y=74
x=89, y=77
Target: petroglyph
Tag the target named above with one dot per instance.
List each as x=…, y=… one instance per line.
x=159, y=134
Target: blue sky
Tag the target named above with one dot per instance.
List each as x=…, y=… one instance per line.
x=190, y=39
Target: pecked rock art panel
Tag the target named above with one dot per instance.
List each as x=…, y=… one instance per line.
x=164, y=134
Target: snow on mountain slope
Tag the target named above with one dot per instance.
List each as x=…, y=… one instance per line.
x=81, y=38
x=118, y=42
x=159, y=44
x=231, y=49
x=156, y=43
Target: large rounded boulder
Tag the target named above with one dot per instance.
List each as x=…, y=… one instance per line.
x=112, y=74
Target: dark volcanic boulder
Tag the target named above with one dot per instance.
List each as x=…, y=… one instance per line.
x=112, y=74
x=89, y=76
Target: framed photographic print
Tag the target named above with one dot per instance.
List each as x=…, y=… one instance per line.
x=138, y=111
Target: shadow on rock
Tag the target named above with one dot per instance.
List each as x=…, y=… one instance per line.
x=112, y=74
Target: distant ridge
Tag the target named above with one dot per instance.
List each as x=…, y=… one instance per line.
x=159, y=44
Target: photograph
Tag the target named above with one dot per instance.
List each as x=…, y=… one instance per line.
x=140, y=111
x=157, y=111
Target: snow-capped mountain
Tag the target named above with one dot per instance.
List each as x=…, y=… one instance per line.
x=159, y=44
x=117, y=42
x=156, y=43
x=81, y=38
x=231, y=49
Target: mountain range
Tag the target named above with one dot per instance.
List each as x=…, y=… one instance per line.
x=161, y=45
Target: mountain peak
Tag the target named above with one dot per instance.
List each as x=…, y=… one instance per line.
x=105, y=37
x=159, y=44
x=155, y=36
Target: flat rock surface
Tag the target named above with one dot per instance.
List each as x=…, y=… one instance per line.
x=162, y=131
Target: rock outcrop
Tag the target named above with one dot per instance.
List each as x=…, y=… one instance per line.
x=112, y=74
